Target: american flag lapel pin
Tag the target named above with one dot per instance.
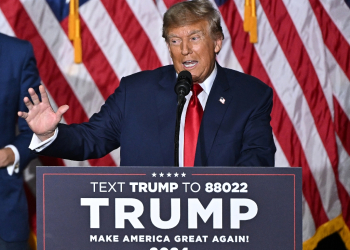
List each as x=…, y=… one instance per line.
x=222, y=100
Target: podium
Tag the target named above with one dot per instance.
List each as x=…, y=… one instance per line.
x=169, y=208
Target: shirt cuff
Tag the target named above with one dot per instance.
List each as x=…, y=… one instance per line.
x=38, y=145
x=15, y=166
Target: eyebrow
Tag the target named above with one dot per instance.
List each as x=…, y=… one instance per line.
x=189, y=34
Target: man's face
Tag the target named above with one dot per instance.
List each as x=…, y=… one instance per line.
x=192, y=48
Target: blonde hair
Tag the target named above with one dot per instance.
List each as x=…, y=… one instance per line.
x=189, y=12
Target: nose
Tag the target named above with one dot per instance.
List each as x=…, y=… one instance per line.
x=186, y=48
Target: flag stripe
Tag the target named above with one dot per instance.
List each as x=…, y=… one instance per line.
x=340, y=83
x=338, y=47
x=5, y=27
x=100, y=70
x=342, y=126
x=309, y=227
x=49, y=72
x=333, y=39
x=311, y=35
x=283, y=130
x=339, y=12
x=279, y=72
x=108, y=38
x=227, y=57
x=161, y=7
x=311, y=38
x=280, y=158
x=343, y=195
x=309, y=82
x=344, y=170
x=141, y=47
x=306, y=76
x=76, y=75
x=95, y=61
x=315, y=56
x=147, y=15
x=169, y=3
x=302, y=53
x=341, y=92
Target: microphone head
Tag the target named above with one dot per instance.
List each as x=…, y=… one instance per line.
x=184, y=83
x=185, y=75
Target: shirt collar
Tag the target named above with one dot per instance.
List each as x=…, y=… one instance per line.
x=208, y=83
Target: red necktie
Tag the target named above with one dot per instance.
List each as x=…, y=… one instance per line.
x=192, y=123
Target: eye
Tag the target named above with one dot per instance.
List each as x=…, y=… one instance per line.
x=194, y=38
x=174, y=41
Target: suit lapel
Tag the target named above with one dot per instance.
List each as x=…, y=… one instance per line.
x=212, y=117
x=166, y=109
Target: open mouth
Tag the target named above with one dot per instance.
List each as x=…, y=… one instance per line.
x=190, y=64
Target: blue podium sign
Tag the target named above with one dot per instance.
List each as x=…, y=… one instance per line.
x=168, y=208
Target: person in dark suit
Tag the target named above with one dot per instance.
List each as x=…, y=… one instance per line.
x=233, y=130
x=18, y=72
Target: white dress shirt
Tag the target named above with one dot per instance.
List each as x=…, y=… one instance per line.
x=202, y=97
x=15, y=166
x=39, y=145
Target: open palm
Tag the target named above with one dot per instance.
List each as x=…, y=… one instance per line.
x=41, y=118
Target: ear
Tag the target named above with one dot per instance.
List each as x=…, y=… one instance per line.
x=218, y=45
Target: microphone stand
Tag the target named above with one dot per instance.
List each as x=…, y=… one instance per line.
x=180, y=105
x=182, y=88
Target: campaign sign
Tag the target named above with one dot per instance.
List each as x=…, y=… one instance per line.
x=168, y=208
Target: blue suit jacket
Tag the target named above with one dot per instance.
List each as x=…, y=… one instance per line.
x=140, y=117
x=18, y=72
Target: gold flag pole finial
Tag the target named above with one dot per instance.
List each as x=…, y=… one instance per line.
x=74, y=30
x=71, y=20
x=250, y=23
x=247, y=14
x=253, y=25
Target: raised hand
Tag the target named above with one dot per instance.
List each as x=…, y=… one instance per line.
x=41, y=118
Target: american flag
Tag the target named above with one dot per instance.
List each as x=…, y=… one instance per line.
x=303, y=53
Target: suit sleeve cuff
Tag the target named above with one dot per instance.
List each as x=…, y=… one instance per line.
x=15, y=166
x=38, y=145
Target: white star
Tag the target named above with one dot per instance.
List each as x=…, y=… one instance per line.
x=183, y=174
x=169, y=174
x=176, y=175
x=154, y=174
x=161, y=174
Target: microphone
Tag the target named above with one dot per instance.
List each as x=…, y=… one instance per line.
x=183, y=86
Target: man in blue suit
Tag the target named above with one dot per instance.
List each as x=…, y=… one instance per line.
x=233, y=130
x=18, y=72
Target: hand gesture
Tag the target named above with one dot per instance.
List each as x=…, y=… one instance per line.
x=41, y=118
